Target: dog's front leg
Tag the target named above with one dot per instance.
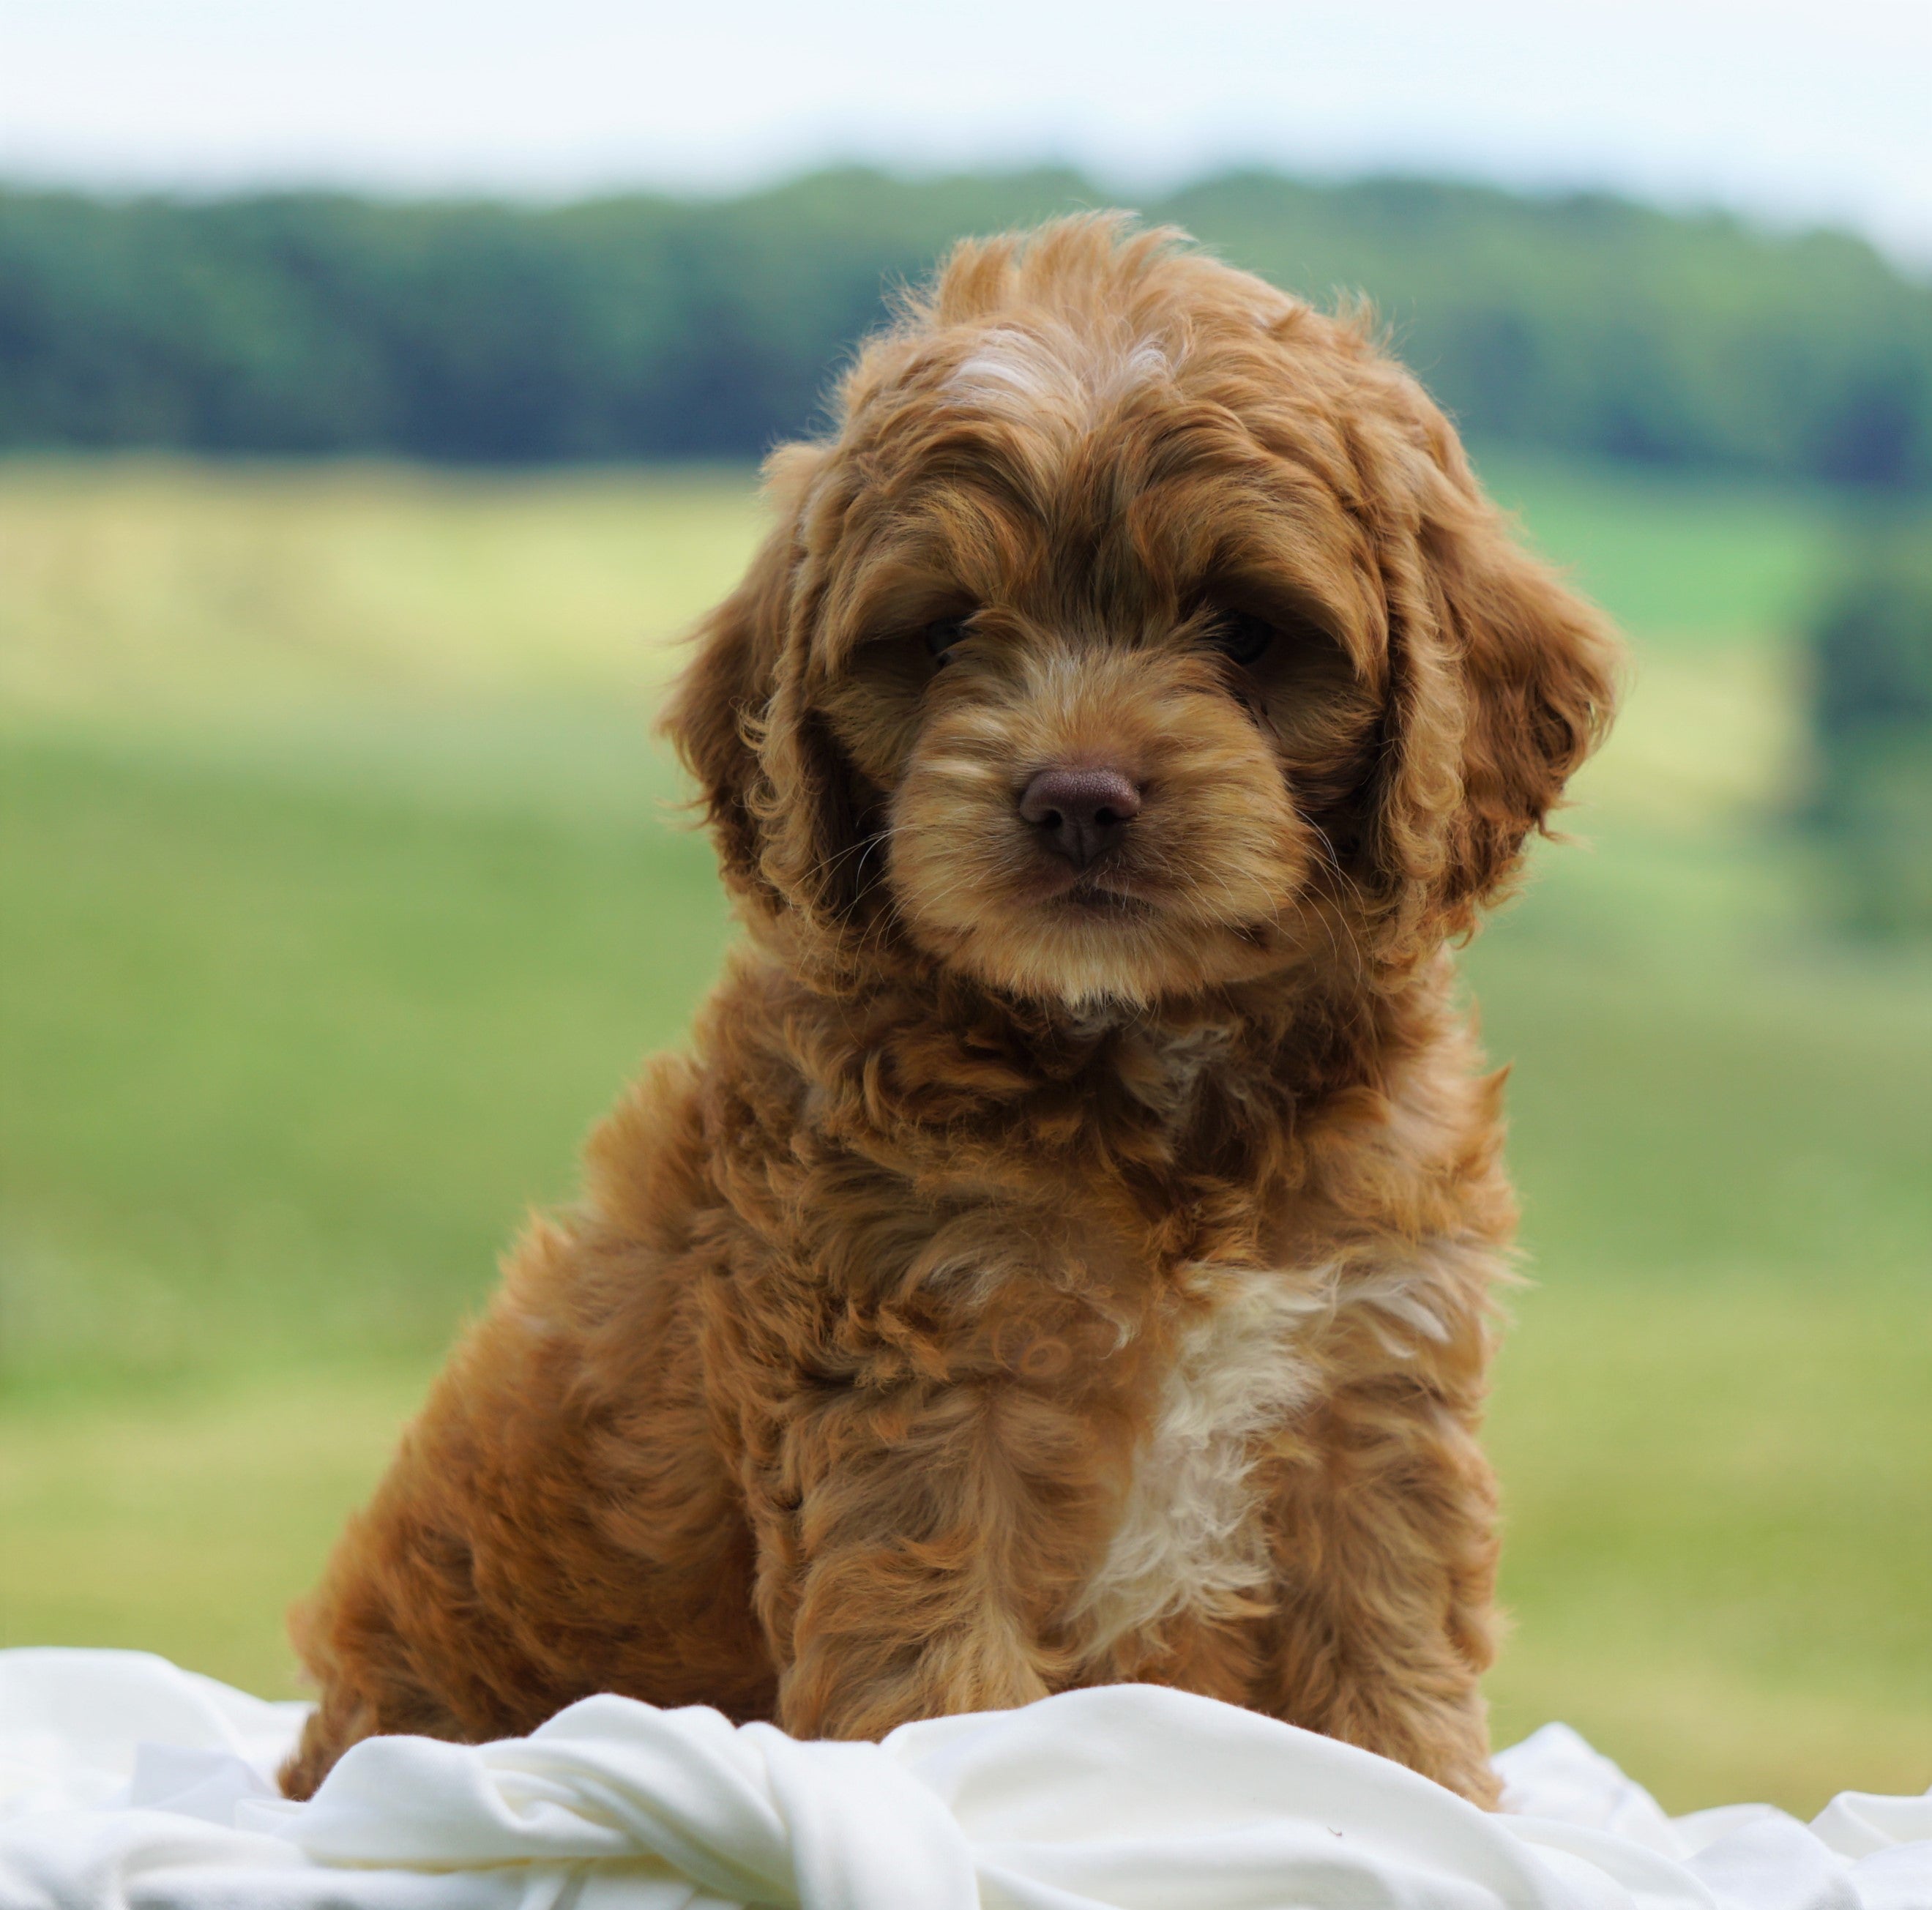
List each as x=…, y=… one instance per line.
x=917, y=1563
x=1385, y=1532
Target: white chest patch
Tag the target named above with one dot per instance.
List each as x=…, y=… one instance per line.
x=1190, y=1533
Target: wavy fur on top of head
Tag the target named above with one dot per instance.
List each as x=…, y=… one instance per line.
x=1067, y=1253
x=1092, y=443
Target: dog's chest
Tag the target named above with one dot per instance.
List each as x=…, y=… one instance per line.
x=1190, y=1535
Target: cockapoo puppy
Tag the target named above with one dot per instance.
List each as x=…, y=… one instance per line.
x=1067, y=1254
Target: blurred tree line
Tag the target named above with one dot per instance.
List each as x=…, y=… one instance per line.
x=646, y=326
x=1871, y=702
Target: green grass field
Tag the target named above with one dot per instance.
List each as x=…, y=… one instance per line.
x=344, y=888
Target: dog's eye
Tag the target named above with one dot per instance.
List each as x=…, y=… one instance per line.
x=1241, y=637
x=941, y=636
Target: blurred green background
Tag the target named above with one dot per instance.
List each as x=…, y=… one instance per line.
x=344, y=886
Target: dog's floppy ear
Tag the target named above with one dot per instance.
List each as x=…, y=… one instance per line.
x=715, y=713
x=775, y=788
x=1502, y=681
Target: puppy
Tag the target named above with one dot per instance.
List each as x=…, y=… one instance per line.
x=1067, y=1254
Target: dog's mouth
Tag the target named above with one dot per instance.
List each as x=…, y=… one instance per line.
x=1096, y=895
x=1102, y=901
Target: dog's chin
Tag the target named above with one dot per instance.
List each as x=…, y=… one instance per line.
x=1095, y=944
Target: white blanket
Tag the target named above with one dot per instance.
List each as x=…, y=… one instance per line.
x=127, y=1784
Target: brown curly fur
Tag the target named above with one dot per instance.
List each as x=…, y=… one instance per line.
x=1031, y=1280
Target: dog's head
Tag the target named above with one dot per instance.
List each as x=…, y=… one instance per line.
x=1140, y=630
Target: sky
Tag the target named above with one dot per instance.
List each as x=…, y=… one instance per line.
x=1792, y=112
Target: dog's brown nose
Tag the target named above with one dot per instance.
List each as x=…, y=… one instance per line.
x=1080, y=813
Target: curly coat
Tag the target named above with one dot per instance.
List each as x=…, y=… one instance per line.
x=1052, y=1264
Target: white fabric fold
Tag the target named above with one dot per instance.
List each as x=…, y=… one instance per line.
x=127, y=1784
